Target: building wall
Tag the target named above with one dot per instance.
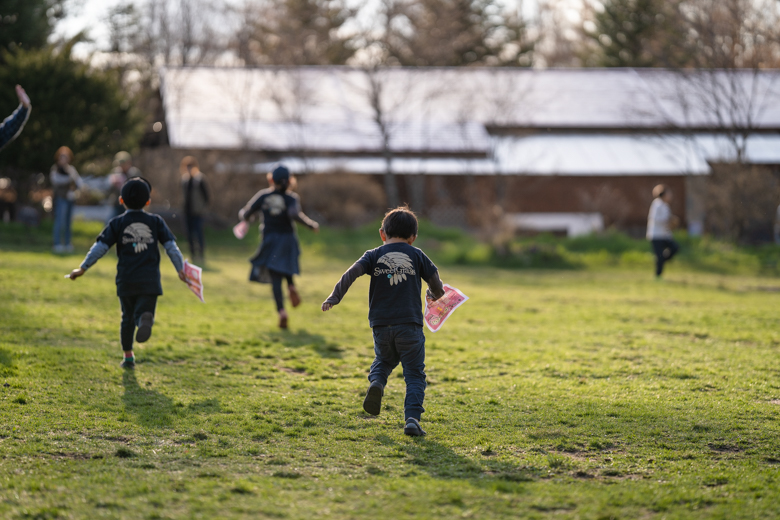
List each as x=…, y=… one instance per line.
x=452, y=200
x=623, y=201
x=229, y=190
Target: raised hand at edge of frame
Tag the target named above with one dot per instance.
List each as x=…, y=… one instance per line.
x=326, y=306
x=24, y=99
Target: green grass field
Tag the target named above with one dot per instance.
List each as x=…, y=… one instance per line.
x=590, y=392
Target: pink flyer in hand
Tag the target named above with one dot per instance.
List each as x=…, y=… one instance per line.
x=194, y=279
x=240, y=229
x=437, y=312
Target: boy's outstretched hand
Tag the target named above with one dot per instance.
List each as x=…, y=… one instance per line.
x=326, y=306
x=76, y=273
x=183, y=277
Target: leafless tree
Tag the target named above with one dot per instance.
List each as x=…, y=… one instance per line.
x=293, y=32
x=723, y=89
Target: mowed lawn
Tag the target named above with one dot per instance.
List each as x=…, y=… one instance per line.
x=552, y=394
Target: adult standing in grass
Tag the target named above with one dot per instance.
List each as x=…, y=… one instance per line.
x=12, y=126
x=66, y=184
x=196, y=201
x=660, y=222
x=277, y=257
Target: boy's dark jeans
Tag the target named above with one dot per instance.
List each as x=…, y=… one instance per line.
x=403, y=343
x=132, y=309
x=664, y=250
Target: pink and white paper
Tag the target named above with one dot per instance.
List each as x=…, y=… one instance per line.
x=437, y=312
x=194, y=279
x=240, y=229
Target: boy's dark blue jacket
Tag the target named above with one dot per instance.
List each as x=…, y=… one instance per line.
x=136, y=235
x=397, y=271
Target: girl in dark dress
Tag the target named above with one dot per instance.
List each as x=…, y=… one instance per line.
x=277, y=257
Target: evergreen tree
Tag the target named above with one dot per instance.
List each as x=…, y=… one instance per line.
x=637, y=33
x=73, y=105
x=454, y=33
x=295, y=32
x=27, y=24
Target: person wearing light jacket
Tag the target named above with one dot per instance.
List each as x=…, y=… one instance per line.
x=660, y=222
x=66, y=183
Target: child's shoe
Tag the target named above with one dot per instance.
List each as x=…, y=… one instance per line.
x=413, y=428
x=295, y=298
x=282, y=319
x=144, y=327
x=128, y=362
x=372, y=404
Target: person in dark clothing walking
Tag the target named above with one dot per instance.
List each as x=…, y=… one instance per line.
x=136, y=234
x=12, y=126
x=277, y=257
x=196, y=201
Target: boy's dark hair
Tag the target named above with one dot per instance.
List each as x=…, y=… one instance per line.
x=136, y=192
x=400, y=222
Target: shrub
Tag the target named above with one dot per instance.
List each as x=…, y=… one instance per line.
x=342, y=199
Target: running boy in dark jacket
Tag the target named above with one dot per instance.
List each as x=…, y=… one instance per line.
x=136, y=234
x=395, y=311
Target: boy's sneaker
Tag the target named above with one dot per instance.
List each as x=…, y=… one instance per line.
x=128, y=363
x=295, y=298
x=372, y=404
x=144, y=327
x=413, y=428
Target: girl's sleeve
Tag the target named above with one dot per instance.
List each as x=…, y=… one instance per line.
x=252, y=207
x=295, y=213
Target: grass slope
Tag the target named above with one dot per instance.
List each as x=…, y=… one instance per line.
x=553, y=394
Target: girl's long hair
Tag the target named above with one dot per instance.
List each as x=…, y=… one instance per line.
x=290, y=185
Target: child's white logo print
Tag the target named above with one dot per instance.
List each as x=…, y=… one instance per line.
x=140, y=236
x=400, y=265
x=275, y=204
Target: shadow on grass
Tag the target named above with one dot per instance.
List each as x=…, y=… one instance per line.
x=150, y=408
x=7, y=367
x=303, y=338
x=440, y=461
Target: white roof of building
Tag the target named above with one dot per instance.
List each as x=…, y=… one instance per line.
x=310, y=111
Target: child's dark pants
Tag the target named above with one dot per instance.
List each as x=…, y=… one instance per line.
x=664, y=250
x=403, y=343
x=276, y=287
x=132, y=309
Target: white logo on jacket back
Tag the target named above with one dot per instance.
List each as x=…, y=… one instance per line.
x=399, y=266
x=274, y=204
x=140, y=235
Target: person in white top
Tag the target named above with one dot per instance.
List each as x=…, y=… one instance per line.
x=660, y=222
